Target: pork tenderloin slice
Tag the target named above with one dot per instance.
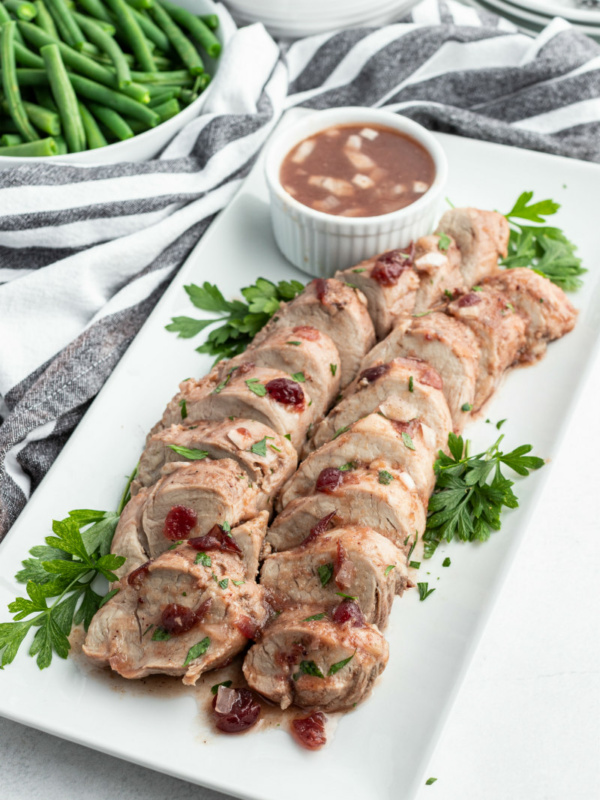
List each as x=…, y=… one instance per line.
x=389, y=283
x=438, y=271
x=373, y=441
x=276, y=666
x=447, y=345
x=548, y=310
x=500, y=333
x=213, y=492
x=300, y=349
x=250, y=538
x=222, y=439
x=395, y=509
x=482, y=238
x=336, y=310
x=365, y=565
x=128, y=633
x=189, y=389
x=129, y=539
x=404, y=399
x=243, y=393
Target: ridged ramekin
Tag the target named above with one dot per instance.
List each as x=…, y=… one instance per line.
x=320, y=243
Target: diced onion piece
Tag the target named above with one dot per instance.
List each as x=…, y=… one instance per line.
x=399, y=188
x=241, y=437
x=407, y=481
x=369, y=133
x=303, y=151
x=433, y=259
x=428, y=435
x=359, y=160
x=420, y=186
x=326, y=205
x=354, y=142
x=290, y=190
x=336, y=186
x=332, y=132
x=379, y=174
x=225, y=700
x=353, y=212
x=362, y=181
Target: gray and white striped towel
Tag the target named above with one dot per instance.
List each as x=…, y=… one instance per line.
x=85, y=253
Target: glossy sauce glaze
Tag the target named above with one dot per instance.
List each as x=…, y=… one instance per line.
x=357, y=171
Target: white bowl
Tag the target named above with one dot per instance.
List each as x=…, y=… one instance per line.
x=320, y=243
x=147, y=145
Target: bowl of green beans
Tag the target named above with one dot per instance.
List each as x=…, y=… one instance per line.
x=103, y=81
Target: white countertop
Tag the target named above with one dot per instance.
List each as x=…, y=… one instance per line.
x=526, y=725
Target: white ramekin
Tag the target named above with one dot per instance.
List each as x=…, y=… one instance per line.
x=320, y=243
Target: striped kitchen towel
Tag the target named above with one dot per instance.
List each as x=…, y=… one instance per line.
x=85, y=253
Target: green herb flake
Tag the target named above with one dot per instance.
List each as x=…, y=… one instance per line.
x=466, y=407
x=108, y=596
x=315, y=617
x=424, y=591
x=175, y=544
x=347, y=467
x=260, y=448
x=414, y=564
x=287, y=436
x=448, y=294
x=183, y=407
x=197, y=650
x=256, y=387
x=296, y=344
x=276, y=449
x=408, y=441
x=500, y=423
x=238, y=583
x=444, y=241
x=161, y=635
x=476, y=288
x=446, y=562
x=339, y=665
x=359, y=270
x=389, y=568
x=214, y=689
x=340, y=431
x=224, y=583
x=298, y=377
x=411, y=384
x=333, y=368
x=325, y=572
x=186, y=452
x=385, y=477
x=226, y=526
x=430, y=781
x=346, y=596
x=308, y=668
x=204, y=559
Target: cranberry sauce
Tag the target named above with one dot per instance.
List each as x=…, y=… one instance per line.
x=235, y=710
x=373, y=373
x=179, y=522
x=391, y=265
x=136, y=577
x=330, y=479
x=286, y=392
x=349, y=611
x=176, y=619
x=470, y=299
x=310, y=731
x=319, y=528
x=216, y=539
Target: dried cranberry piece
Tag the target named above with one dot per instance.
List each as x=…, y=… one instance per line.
x=321, y=288
x=470, y=299
x=215, y=539
x=247, y=627
x=391, y=265
x=136, y=577
x=176, y=619
x=307, y=332
x=235, y=710
x=179, y=522
x=286, y=392
x=309, y=732
x=243, y=369
x=329, y=480
x=349, y=611
x=319, y=528
x=373, y=373
x=343, y=568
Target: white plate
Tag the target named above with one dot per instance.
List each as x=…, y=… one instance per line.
x=526, y=20
x=562, y=8
x=381, y=751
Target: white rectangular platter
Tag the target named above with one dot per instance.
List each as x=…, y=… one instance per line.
x=381, y=750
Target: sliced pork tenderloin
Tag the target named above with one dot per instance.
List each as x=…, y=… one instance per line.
x=182, y=614
x=243, y=440
x=447, y=345
x=373, y=441
x=500, y=333
x=356, y=561
x=336, y=310
x=437, y=263
x=315, y=663
x=547, y=309
x=130, y=540
x=380, y=498
x=389, y=283
x=403, y=389
x=481, y=237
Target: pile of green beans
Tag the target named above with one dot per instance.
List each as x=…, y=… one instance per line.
x=81, y=74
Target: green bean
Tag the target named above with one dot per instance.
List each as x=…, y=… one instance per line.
x=152, y=31
x=29, y=77
x=180, y=77
x=187, y=96
x=187, y=52
x=10, y=83
x=44, y=19
x=61, y=146
x=157, y=89
x=210, y=20
x=64, y=97
x=112, y=120
x=10, y=139
x=133, y=33
x=66, y=23
x=28, y=58
x=107, y=27
x=93, y=134
x=21, y=9
x=107, y=44
x=140, y=4
x=162, y=97
x=86, y=66
x=97, y=9
x=119, y=102
x=168, y=109
x=136, y=125
x=199, y=30
x=42, y=147
x=202, y=82
x=44, y=119
x=5, y=17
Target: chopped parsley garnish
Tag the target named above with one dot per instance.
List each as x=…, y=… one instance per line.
x=444, y=241
x=411, y=384
x=500, y=423
x=389, y=568
x=226, y=526
x=214, y=689
x=315, y=617
x=298, y=377
x=413, y=545
x=471, y=491
x=339, y=665
x=219, y=388
x=385, y=477
x=340, y=431
x=350, y=465
x=333, y=368
x=308, y=668
x=297, y=344
x=325, y=573
x=186, y=452
x=287, y=436
x=256, y=387
x=175, y=544
x=414, y=564
x=466, y=407
x=359, y=269
x=277, y=449
x=346, y=596
x=197, y=650
x=446, y=562
x=408, y=441
x=161, y=635
x=241, y=321
x=108, y=597
x=183, y=407
x=429, y=781
x=424, y=591
x=224, y=583
x=238, y=583
x=260, y=448
x=448, y=293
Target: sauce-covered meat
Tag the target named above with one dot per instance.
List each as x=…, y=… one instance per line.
x=357, y=171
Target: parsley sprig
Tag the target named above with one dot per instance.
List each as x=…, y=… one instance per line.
x=65, y=570
x=541, y=247
x=241, y=320
x=471, y=491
